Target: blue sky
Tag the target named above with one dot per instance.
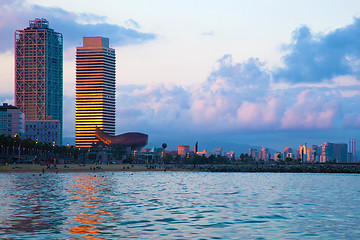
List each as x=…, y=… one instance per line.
x=266, y=73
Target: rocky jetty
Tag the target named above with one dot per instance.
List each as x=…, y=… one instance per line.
x=300, y=168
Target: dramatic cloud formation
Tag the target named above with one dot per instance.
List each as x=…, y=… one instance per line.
x=320, y=57
x=311, y=111
x=236, y=97
x=321, y=92
x=73, y=26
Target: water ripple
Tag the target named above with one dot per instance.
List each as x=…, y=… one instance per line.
x=179, y=205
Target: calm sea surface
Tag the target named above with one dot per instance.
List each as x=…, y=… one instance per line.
x=179, y=205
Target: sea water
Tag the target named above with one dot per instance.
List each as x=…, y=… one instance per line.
x=179, y=205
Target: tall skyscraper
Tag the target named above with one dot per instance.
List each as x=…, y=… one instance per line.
x=95, y=90
x=39, y=73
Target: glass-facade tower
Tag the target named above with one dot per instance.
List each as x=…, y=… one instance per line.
x=39, y=73
x=95, y=90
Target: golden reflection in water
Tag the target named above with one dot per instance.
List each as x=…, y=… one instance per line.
x=88, y=190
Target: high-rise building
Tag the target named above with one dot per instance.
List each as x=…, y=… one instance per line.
x=313, y=153
x=183, y=150
x=287, y=153
x=334, y=152
x=95, y=90
x=265, y=154
x=303, y=152
x=39, y=73
x=11, y=121
x=252, y=153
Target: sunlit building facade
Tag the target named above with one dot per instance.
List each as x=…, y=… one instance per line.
x=302, y=152
x=265, y=154
x=95, y=90
x=287, y=153
x=183, y=150
x=39, y=73
x=313, y=153
x=334, y=152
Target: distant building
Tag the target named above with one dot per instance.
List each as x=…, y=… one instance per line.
x=11, y=121
x=313, y=154
x=252, y=153
x=196, y=147
x=352, y=151
x=334, y=152
x=258, y=155
x=218, y=152
x=45, y=131
x=95, y=90
x=297, y=154
x=302, y=152
x=204, y=153
x=230, y=155
x=39, y=73
x=265, y=154
x=183, y=150
x=287, y=153
x=277, y=156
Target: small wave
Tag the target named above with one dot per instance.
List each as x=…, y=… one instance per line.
x=171, y=229
x=271, y=217
x=166, y=220
x=212, y=225
x=254, y=221
x=134, y=222
x=231, y=193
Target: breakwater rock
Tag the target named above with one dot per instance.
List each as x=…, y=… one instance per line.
x=300, y=168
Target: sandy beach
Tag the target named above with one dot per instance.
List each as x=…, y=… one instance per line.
x=61, y=168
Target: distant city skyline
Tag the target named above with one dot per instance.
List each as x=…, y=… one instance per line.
x=270, y=74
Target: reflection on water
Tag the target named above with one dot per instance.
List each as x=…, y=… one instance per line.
x=176, y=205
x=29, y=205
x=92, y=211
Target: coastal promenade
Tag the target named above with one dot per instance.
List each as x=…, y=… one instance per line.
x=299, y=168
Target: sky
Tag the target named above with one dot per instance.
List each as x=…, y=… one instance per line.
x=224, y=73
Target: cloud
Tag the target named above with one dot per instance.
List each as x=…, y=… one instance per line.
x=131, y=23
x=236, y=98
x=15, y=15
x=311, y=111
x=232, y=94
x=157, y=107
x=320, y=57
x=211, y=33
